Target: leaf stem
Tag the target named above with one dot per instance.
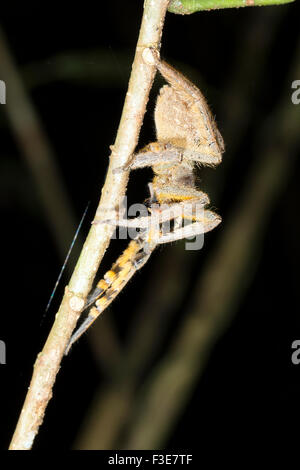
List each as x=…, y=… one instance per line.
x=186, y=7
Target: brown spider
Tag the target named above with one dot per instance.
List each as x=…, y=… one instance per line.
x=186, y=135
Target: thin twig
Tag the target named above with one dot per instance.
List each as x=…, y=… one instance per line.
x=48, y=361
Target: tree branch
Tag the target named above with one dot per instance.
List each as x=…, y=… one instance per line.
x=48, y=361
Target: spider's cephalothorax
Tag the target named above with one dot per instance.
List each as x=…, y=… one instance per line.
x=186, y=135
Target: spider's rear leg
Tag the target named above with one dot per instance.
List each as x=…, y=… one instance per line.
x=132, y=259
x=118, y=268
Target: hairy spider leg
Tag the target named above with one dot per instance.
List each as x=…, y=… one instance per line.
x=107, y=289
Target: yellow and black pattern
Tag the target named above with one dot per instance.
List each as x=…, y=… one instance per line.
x=118, y=270
x=107, y=289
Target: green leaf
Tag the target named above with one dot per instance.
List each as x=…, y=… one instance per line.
x=186, y=7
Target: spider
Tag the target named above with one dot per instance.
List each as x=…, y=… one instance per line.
x=186, y=135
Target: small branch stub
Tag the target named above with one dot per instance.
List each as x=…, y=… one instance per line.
x=76, y=303
x=148, y=57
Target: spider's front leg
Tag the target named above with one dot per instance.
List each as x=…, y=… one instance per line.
x=118, y=219
x=153, y=154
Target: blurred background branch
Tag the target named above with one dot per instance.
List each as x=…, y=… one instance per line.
x=146, y=414
x=222, y=285
x=38, y=153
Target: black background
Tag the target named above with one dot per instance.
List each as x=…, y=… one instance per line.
x=249, y=388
